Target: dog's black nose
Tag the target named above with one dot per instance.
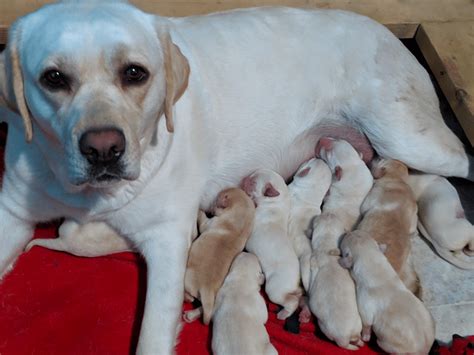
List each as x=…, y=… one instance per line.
x=102, y=146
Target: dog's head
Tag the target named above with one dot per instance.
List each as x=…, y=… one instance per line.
x=90, y=81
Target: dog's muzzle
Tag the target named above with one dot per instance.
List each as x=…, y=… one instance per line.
x=103, y=149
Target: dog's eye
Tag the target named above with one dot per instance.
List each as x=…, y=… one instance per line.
x=134, y=75
x=54, y=80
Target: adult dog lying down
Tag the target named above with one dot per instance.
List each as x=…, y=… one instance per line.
x=138, y=120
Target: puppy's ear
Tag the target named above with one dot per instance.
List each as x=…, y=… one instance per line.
x=303, y=172
x=346, y=261
x=176, y=76
x=10, y=71
x=270, y=191
x=338, y=173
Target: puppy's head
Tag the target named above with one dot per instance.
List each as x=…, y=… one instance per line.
x=231, y=198
x=248, y=266
x=357, y=243
x=264, y=185
x=338, y=155
x=314, y=171
x=381, y=167
x=90, y=81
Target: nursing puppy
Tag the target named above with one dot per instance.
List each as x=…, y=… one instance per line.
x=332, y=296
x=222, y=238
x=351, y=181
x=270, y=242
x=238, y=323
x=442, y=220
x=400, y=321
x=390, y=216
x=307, y=190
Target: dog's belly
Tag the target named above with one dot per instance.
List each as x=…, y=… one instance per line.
x=280, y=156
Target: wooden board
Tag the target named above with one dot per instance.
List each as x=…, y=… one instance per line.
x=449, y=51
x=401, y=16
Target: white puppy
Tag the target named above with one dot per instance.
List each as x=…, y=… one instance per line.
x=238, y=323
x=138, y=120
x=400, y=321
x=307, y=190
x=332, y=296
x=442, y=220
x=270, y=241
x=351, y=182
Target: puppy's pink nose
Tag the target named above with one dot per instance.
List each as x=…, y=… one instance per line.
x=102, y=146
x=325, y=143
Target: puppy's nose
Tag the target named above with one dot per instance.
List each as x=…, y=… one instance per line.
x=102, y=146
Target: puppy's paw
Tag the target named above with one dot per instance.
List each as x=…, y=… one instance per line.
x=283, y=314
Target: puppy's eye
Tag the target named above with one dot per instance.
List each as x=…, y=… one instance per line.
x=55, y=80
x=134, y=75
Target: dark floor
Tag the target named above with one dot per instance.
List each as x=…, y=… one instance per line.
x=464, y=188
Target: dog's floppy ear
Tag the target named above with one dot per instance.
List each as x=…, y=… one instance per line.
x=10, y=71
x=176, y=75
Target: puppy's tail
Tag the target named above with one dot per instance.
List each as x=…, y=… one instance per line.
x=208, y=298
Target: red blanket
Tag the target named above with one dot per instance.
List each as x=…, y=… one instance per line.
x=55, y=303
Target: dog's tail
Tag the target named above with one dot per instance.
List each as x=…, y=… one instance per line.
x=208, y=298
x=456, y=258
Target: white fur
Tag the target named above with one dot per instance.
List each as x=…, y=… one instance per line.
x=306, y=196
x=400, y=321
x=442, y=220
x=260, y=90
x=332, y=296
x=270, y=242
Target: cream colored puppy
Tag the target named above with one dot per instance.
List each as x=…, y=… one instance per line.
x=270, y=241
x=400, y=321
x=222, y=238
x=307, y=190
x=442, y=220
x=332, y=297
x=241, y=311
x=390, y=216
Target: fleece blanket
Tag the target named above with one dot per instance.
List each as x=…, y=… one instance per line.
x=55, y=303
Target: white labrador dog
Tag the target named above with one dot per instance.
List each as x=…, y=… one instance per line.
x=270, y=241
x=138, y=120
x=307, y=190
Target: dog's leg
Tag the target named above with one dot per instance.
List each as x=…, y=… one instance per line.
x=165, y=250
x=14, y=234
x=414, y=132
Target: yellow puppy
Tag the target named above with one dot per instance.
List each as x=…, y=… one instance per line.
x=222, y=238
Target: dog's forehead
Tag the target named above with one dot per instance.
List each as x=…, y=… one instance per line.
x=72, y=29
